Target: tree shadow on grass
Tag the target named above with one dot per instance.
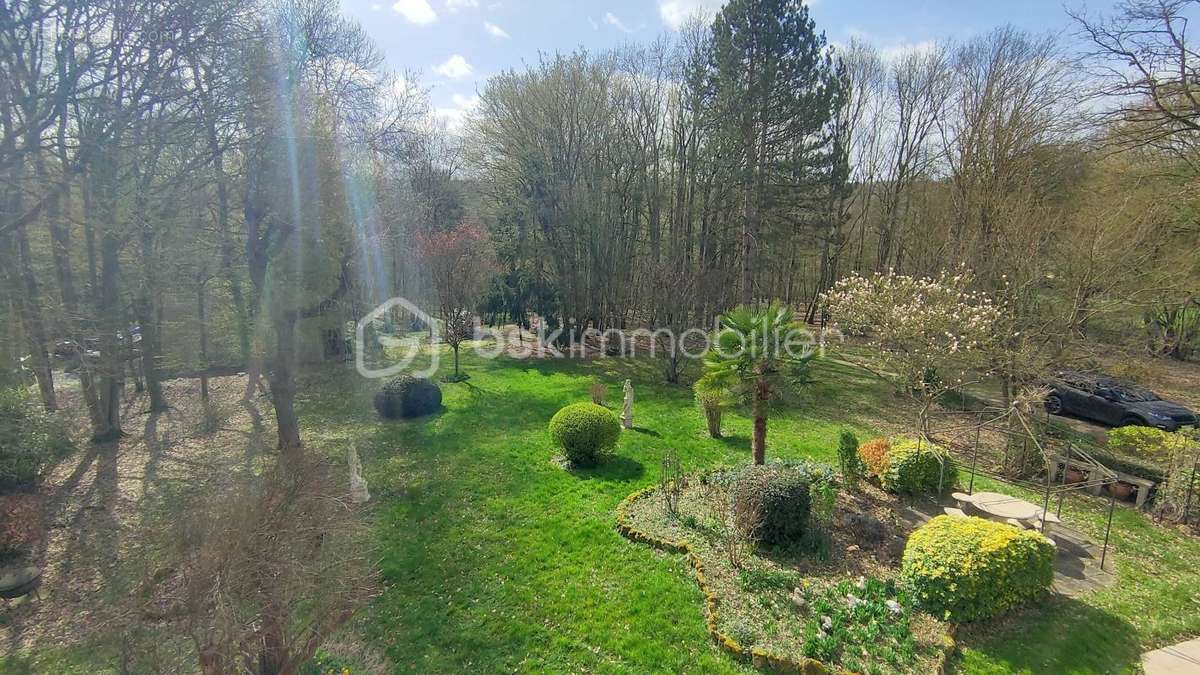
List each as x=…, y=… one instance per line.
x=616, y=468
x=646, y=432
x=735, y=441
x=1058, y=635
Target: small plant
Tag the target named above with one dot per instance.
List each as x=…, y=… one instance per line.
x=823, y=497
x=863, y=625
x=212, y=417
x=966, y=569
x=671, y=482
x=408, y=396
x=767, y=579
x=598, y=392
x=736, y=524
x=849, y=462
x=741, y=632
x=1176, y=498
x=457, y=329
x=874, y=454
x=918, y=468
x=585, y=431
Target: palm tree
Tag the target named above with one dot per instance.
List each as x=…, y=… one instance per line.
x=756, y=351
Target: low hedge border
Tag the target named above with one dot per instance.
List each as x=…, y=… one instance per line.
x=759, y=658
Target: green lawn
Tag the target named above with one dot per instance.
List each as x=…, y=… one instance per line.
x=497, y=559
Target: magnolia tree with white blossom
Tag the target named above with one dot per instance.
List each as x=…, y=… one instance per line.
x=928, y=335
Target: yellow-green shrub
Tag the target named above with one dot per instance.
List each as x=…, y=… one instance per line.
x=1141, y=441
x=918, y=468
x=965, y=569
x=874, y=454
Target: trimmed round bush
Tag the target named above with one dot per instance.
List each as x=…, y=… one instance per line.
x=585, y=431
x=408, y=396
x=778, y=498
x=918, y=469
x=967, y=569
x=874, y=454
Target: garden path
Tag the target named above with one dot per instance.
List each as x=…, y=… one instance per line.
x=1180, y=659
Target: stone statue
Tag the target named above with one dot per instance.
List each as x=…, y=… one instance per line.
x=628, y=417
x=358, y=485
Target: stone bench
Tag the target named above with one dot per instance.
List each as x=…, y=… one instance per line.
x=1142, y=485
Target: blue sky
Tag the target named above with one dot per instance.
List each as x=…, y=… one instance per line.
x=456, y=44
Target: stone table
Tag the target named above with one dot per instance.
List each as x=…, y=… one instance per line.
x=1004, y=507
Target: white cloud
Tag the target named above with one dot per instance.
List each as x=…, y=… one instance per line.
x=455, y=116
x=675, y=13
x=890, y=48
x=456, y=66
x=494, y=30
x=458, y=5
x=595, y=26
x=895, y=51
x=612, y=20
x=416, y=11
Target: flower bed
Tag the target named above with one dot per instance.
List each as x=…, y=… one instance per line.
x=814, y=609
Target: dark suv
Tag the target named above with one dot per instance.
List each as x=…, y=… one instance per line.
x=1113, y=402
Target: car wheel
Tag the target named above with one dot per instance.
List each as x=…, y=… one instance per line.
x=1132, y=421
x=1054, y=404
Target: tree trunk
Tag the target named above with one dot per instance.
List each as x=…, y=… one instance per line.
x=29, y=306
x=273, y=655
x=253, y=376
x=111, y=350
x=749, y=219
x=236, y=295
x=134, y=363
x=762, y=393
x=58, y=215
x=200, y=314
x=24, y=282
x=712, y=417
x=283, y=385
x=150, y=351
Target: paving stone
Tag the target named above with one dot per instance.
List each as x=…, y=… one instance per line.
x=1180, y=659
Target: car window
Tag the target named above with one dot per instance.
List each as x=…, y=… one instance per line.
x=1134, y=395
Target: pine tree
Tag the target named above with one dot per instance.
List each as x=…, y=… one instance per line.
x=774, y=93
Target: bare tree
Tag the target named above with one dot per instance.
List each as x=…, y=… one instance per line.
x=1148, y=72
